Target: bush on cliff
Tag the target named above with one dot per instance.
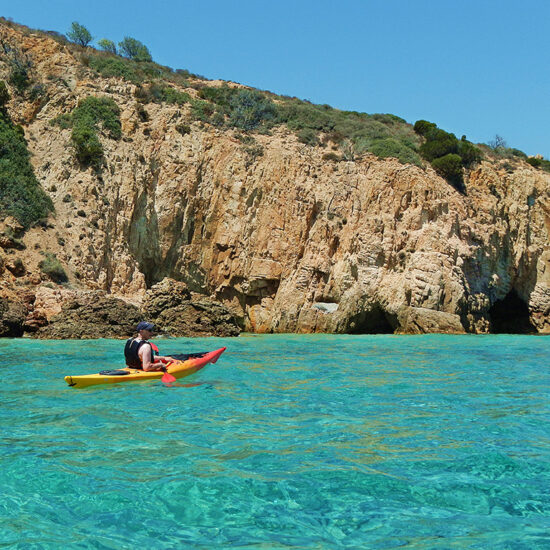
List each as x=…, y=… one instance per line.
x=90, y=115
x=19, y=66
x=254, y=110
x=102, y=111
x=380, y=134
x=450, y=168
x=4, y=94
x=52, y=267
x=541, y=163
x=446, y=153
x=115, y=66
x=250, y=109
x=21, y=196
x=469, y=153
x=88, y=148
x=159, y=93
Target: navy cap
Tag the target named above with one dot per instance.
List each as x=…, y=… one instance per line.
x=144, y=325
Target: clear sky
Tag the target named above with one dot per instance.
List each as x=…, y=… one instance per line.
x=474, y=67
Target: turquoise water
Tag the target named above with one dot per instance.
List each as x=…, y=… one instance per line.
x=287, y=442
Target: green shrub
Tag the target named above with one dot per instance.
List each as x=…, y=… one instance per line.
x=446, y=153
x=450, y=168
x=107, y=45
x=160, y=93
x=88, y=148
x=357, y=133
x=221, y=95
x=64, y=121
x=115, y=66
x=79, y=34
x=298, y=115
x=19, y=65
x=308, y=136
x=533, y=161
x=423, y=127
x=52, y=267
x=99, y=110
x=253, y=153
x=90, y=114
x=431, y=150
x=469, y=153
x=202, y=110
x=170, y=95
x=134, y=49
x=183, y=129
x=332, y=157
x=249, y=109
x=391, y=147
x=4, y=94
x=245, y=109
x=21, y=196
x=37, y=91
x=218, y=119
x=19, y=77
x=517, y=153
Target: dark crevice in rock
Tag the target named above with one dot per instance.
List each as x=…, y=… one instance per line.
x=510, y=316
x=373, y=321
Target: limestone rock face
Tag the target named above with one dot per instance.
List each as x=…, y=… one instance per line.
x=390, y=247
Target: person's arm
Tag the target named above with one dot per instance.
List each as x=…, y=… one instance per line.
x=149, y=364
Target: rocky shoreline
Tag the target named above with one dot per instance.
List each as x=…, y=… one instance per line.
x=51, y=312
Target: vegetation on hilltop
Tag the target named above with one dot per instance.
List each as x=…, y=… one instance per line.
x=347, y=135
x=79, y=34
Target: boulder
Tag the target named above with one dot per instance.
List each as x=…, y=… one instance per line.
x=420, y=320
x=92, y=315
x=178, y=312
x=198, y=318
x=164, y=295
x=12, y=317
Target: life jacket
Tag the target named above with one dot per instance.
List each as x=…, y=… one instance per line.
x=131, y=349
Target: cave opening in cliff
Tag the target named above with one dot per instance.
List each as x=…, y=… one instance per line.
x=510, y=315
x=373, y=321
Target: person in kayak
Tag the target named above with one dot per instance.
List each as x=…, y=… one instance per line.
x=140, y=353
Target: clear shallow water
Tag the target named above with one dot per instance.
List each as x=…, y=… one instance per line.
x=287, y=442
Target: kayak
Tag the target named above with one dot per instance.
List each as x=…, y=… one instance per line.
x=178, y=369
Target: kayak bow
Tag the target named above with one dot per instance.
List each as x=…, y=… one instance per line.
x=178, y=369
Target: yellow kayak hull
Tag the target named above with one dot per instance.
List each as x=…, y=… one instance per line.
x=178, y=369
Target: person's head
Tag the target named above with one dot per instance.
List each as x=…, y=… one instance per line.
x=145, y=329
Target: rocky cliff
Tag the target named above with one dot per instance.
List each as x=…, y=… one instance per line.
x=285, y=239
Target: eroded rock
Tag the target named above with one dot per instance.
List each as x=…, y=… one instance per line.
x=178, y=312
x=92, y=315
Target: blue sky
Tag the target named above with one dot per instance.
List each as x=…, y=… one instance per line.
x=477, y=68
